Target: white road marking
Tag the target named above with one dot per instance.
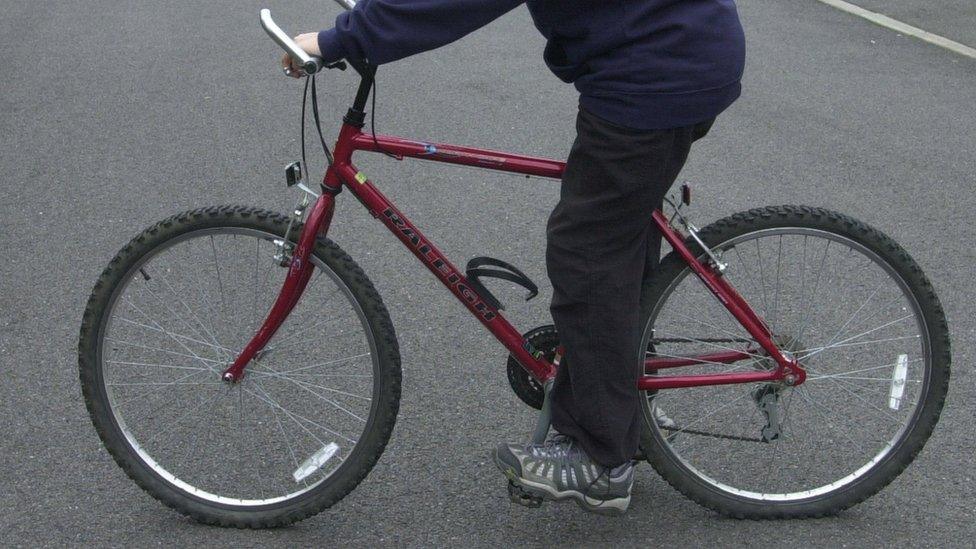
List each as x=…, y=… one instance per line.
x=903, y=28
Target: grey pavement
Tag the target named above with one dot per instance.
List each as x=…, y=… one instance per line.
x=953, y=19
x=114, y=115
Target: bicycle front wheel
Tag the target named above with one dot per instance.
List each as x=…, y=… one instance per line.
x=861, y=318
x=314, y=410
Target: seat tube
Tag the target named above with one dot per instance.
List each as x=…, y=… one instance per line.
x=299, y=273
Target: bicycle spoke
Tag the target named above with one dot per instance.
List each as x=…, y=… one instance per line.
x=779, y=264
x=813, y=295
x=284, y=436
x=885, y=379
x=220, y=283
x=158, y=328
x=183, y=417
x=869, y=317
x=296, y=417
x=211, y=335
x=861, y=370
x=204, y=297
x=862, y=334
x=174, y=336
x=329, y=363
x=151, y=391
x=803, y=282
x=762, y=279
x=752, y=279
x=167, y=351
x=305, y=386
x=170, y=310
x=147, y=383
x=167, y=366
x=861, y=343
x=824, y=412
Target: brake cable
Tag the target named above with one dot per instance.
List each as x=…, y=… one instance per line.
x=304, y=97
x=284, y=246
x=318, y=123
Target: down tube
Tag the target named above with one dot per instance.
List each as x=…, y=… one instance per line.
x=445, y=271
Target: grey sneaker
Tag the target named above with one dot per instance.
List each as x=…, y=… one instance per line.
x=559, y=470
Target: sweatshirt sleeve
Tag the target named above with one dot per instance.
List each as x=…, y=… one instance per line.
x=382, y=31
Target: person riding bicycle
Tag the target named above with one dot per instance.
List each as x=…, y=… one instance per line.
x=652, y=77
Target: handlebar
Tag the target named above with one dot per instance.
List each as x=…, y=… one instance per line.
x=310, y=64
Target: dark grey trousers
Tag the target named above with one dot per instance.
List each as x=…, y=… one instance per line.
x=601, y=245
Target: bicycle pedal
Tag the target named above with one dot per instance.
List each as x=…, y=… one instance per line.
x=518, y=495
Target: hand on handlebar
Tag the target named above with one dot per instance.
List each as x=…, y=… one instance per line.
x=309, y=42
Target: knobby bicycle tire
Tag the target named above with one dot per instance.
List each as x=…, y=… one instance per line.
x=369, y=447
x=685, y=480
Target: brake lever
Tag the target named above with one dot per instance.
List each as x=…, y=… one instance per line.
x=341, y=65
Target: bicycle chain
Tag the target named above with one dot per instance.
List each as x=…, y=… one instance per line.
x=693, y=431
x=713, y=435
x=703, y=340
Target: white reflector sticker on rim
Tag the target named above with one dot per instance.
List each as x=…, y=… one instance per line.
x=315, y=461
x=898, y=382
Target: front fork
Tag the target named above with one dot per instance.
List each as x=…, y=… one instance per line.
x=299, y=273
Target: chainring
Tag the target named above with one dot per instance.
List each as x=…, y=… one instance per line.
x=545, y=340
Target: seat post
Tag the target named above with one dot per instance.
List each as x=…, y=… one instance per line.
x=545, y=416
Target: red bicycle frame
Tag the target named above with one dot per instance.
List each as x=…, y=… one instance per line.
x=343, y=173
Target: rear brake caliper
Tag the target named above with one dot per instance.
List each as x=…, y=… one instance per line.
x=689, y=229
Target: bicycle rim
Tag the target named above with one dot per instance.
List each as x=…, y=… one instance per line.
x=180, y=316
x=852, y=321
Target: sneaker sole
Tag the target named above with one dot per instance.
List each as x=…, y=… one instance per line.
x=611, y=507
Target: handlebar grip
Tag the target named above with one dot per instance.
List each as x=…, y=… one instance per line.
x=309, y=64
x=313, y=65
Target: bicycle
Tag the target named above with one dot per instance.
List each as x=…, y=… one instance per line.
x=803, y=410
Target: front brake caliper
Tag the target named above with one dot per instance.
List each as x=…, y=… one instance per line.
x=294, y=176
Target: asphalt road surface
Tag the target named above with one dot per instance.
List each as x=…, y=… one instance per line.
x=116, y=114
x=952, y=19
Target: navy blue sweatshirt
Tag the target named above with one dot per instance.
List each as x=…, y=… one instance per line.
x=645, y=64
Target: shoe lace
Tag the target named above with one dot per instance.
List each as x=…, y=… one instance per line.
x=557, y=446
x=604, y=471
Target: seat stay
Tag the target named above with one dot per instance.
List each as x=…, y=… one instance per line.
x=787, y=370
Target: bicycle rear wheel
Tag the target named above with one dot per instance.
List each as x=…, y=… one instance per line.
x=315, y=408
x=861, y=318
